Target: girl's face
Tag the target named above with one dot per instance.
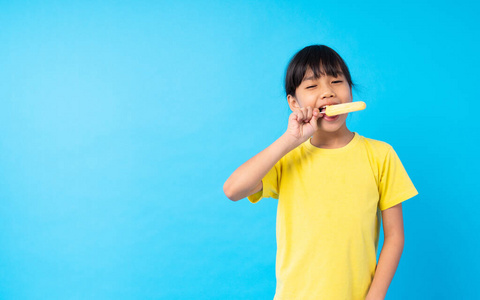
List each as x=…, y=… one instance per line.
x=326, y=90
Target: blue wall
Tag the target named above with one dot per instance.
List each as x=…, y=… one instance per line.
x=120, y=122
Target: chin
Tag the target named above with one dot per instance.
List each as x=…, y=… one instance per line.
x=331, y=127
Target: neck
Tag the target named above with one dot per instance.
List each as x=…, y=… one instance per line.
x=332, y=140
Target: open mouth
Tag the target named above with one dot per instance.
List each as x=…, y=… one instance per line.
x=323, y=109
x=331, y=118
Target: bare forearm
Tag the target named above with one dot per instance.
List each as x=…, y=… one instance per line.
x=248, y=175
x=387, y=265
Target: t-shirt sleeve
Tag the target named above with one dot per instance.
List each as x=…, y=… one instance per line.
x=270, y=185
x=395, y=185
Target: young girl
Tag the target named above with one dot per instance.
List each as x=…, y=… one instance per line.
x=333, y=188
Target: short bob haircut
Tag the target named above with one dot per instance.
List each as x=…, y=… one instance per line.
x=317, y=58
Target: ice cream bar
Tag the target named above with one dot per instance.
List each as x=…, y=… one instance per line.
x=338, y=109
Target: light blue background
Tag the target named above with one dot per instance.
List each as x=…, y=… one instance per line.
x=121, y=121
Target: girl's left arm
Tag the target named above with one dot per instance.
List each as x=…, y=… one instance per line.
x=391, y=252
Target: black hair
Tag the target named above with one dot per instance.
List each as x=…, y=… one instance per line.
x=317, y=58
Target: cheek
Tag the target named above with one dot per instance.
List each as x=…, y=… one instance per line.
x=309, y=98
x=343, y=118
x=344, y=93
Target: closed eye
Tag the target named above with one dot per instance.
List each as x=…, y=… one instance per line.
x=312, y=86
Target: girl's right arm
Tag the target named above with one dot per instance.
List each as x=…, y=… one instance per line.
x=247, y=179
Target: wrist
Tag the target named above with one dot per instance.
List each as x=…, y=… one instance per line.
x=289, y=141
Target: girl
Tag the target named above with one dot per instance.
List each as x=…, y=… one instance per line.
x=333, y=188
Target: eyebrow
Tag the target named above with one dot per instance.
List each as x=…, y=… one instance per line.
x=313, y=77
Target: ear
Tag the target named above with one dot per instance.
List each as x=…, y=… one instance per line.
x=293, y=103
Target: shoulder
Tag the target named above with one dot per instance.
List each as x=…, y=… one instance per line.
x=376, y=147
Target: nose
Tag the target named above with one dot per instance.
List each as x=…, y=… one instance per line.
x=324, y=97
x=328, y=93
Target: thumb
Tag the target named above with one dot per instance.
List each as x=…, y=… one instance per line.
x=315, y=116
x=313, y=120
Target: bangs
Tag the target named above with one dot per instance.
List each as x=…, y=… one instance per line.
x=321, y=59
x=320, y=67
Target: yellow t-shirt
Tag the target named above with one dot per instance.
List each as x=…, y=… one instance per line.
x=329, y=214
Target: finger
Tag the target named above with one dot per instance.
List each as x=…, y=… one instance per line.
x=321, y=112
x=314, y=123
x=300, y=115
x=306, y=115
x=304, y=111
x=309, y=112
x=316, y=115
x=295, y=117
